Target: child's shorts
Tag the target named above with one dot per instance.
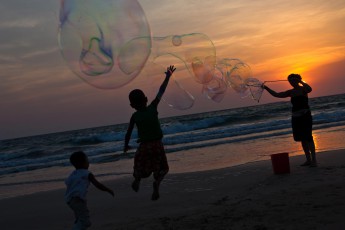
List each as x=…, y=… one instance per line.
x=150, y=158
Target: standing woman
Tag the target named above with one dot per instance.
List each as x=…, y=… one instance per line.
x=301, y=116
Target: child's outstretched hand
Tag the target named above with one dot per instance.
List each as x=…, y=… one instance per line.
x=170, y=71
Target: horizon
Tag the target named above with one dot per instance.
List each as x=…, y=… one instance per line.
x=161, y=118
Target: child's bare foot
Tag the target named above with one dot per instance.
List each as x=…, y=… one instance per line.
x=135, y=185
x=155, y=194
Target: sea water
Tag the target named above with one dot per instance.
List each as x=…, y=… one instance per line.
x=193, y=142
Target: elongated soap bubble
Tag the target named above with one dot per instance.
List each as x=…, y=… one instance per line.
x=235, y=73
x=98, y=40
x=193, y=55
x=196, y=50
x=215, y=89
x=227, y=66
x=238, y=76
x=176, y=96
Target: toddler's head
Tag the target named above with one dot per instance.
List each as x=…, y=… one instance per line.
x=79, y=160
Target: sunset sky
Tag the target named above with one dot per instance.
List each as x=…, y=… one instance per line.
x=39, y=94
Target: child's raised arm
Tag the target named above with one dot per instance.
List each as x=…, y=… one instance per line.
x=168, y=73
x=99, y=185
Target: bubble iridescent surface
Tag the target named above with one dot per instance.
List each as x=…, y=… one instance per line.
x=98, y=40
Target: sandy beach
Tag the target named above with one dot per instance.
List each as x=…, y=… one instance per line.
x=249, y=196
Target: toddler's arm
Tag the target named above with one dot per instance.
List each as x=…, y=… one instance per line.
x=99, y=185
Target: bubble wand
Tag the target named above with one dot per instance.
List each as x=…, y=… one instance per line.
x=256, y=95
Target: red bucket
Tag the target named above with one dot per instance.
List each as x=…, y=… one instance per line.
x=280, y=163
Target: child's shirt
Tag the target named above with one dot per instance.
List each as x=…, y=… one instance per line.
x=147, y=122
x=77, y=184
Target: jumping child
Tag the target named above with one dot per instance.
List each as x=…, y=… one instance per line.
x=150, y=156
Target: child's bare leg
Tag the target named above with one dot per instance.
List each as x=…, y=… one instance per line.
x=159, y=176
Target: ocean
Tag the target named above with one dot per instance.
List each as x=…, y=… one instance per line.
x=248, y=134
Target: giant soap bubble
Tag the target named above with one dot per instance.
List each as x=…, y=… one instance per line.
x=94, y=40
x=108, y=43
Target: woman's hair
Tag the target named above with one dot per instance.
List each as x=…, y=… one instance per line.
x=294, y=76
x=77, y=159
